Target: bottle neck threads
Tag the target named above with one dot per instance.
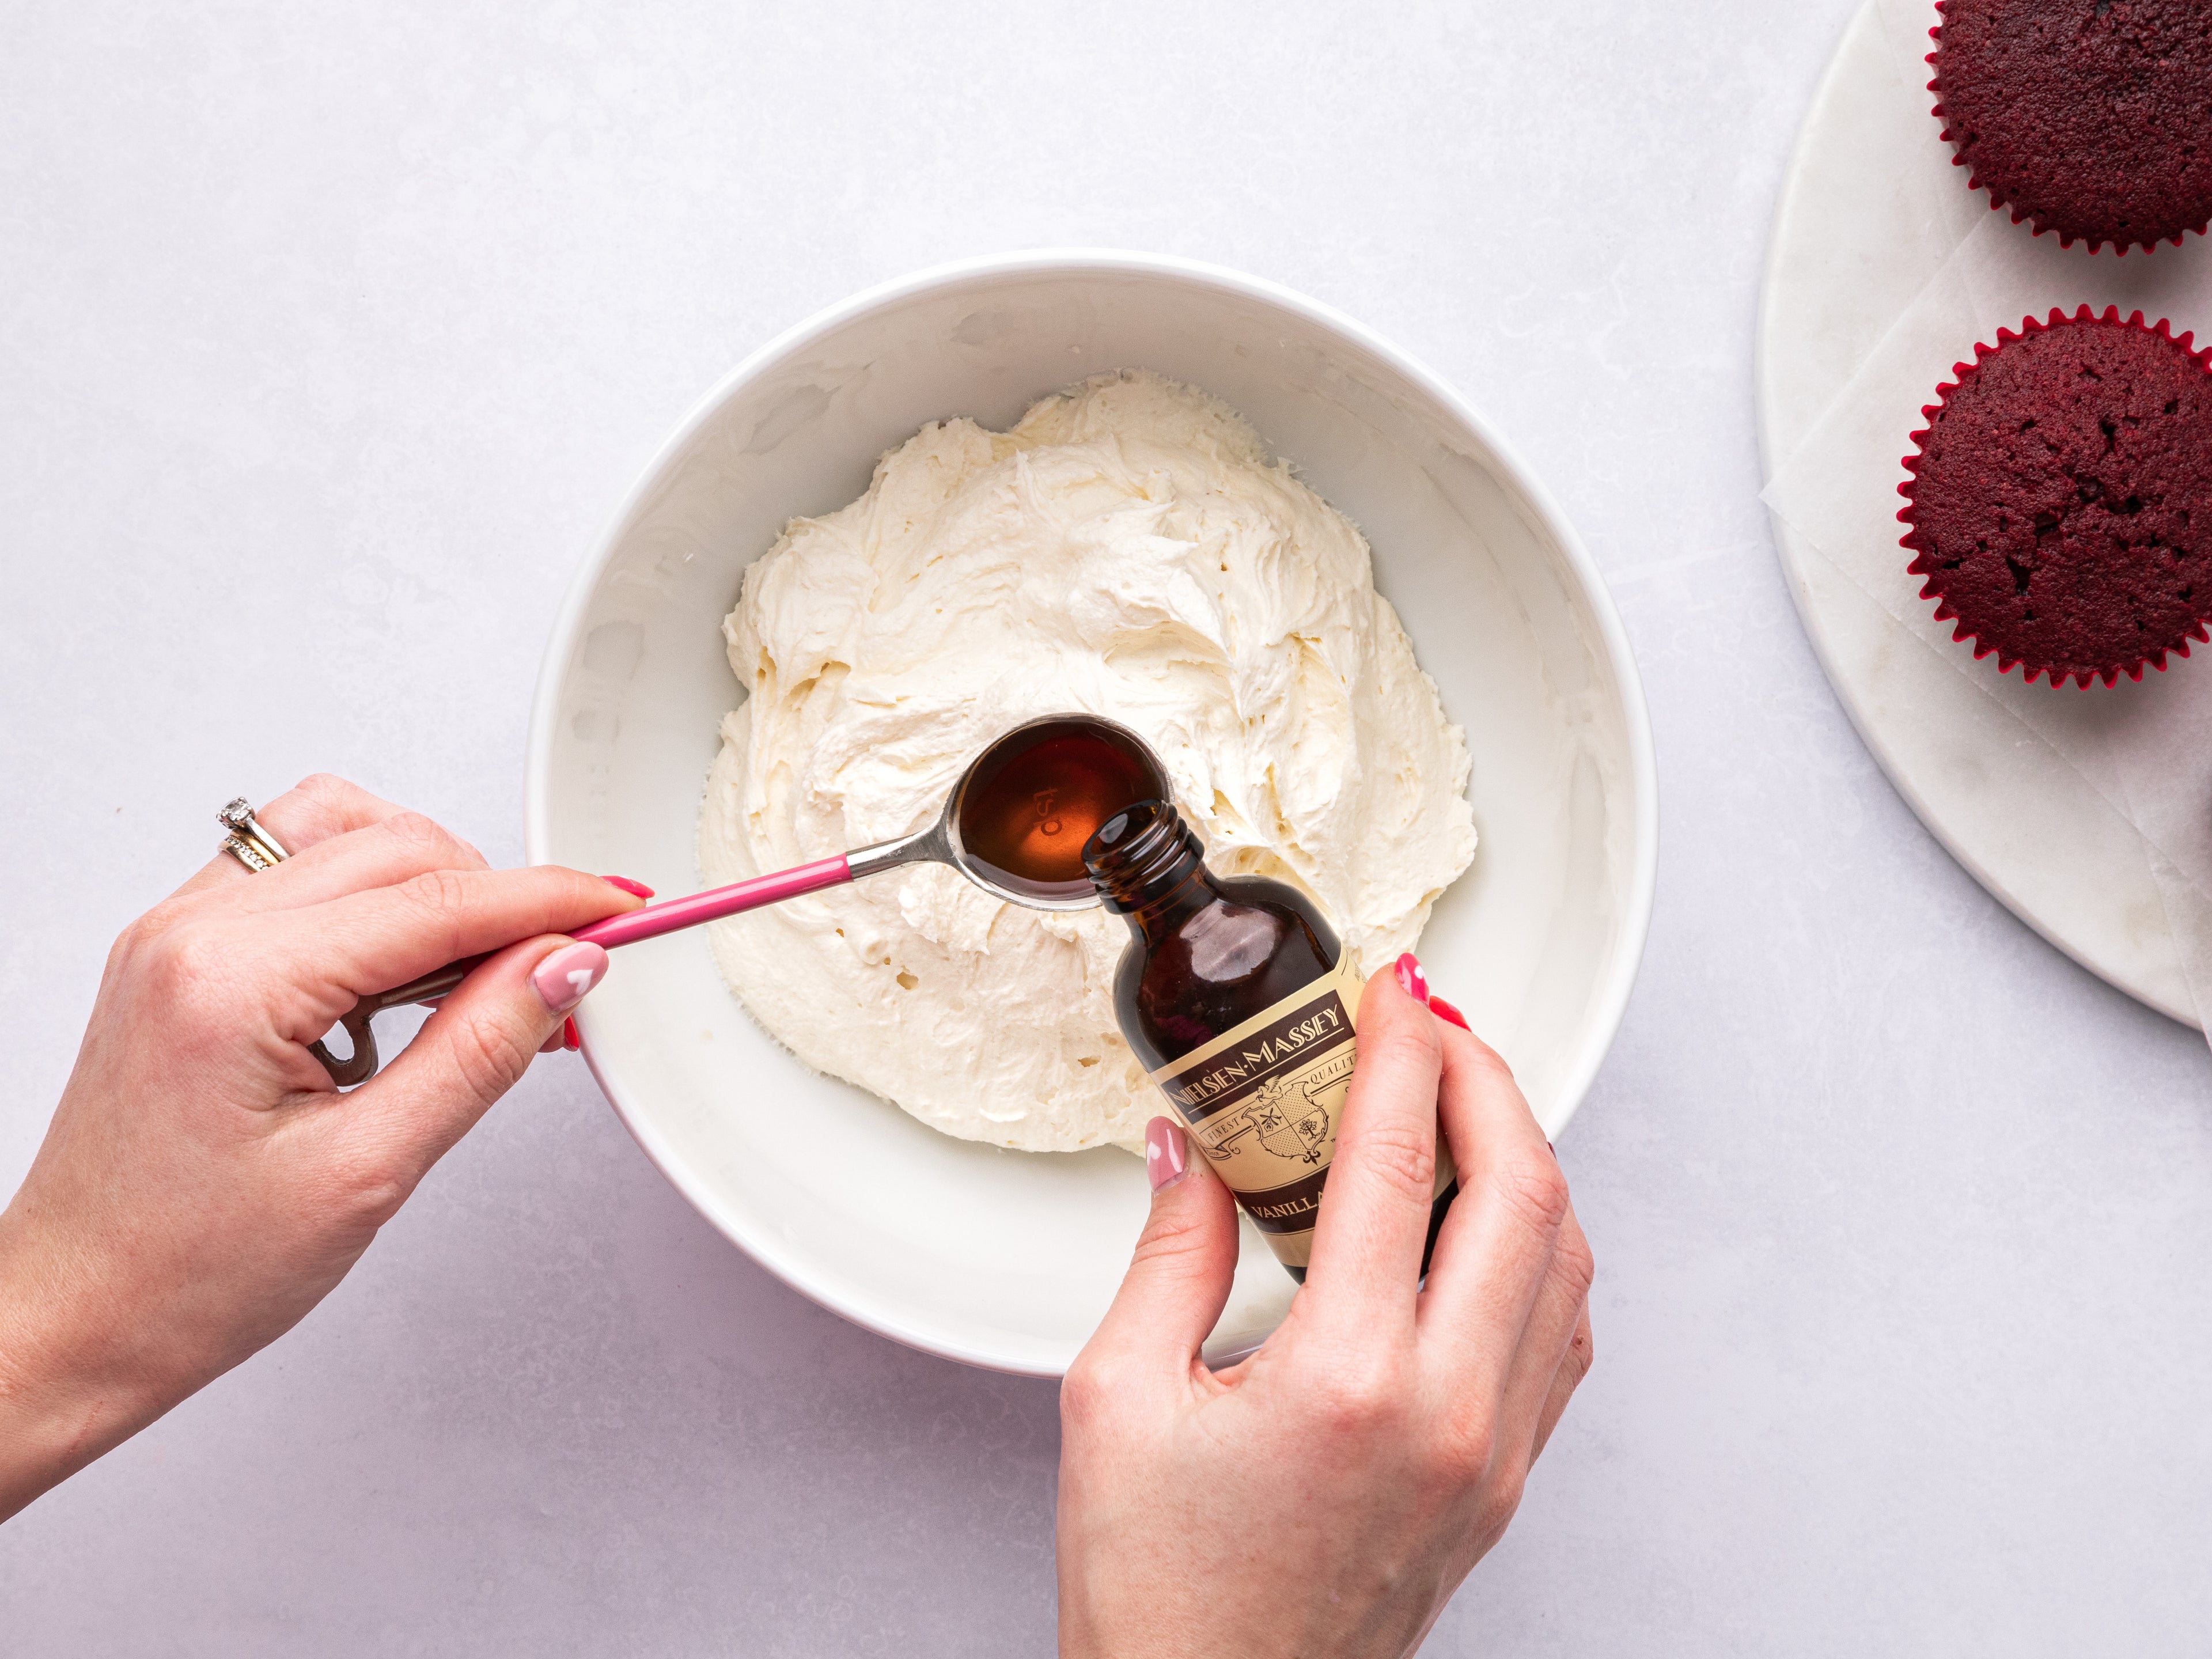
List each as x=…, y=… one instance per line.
x=1140, y=855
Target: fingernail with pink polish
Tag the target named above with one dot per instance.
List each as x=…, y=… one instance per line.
x=634, y=889
x=1444, y=1010
x=563, y=978
x=1166, y=1153
x=1411, y=979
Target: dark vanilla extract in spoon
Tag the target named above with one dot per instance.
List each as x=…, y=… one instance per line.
x=1036, y=797
x=1236, y=995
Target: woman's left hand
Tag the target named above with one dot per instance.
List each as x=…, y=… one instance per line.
x=203, y=1185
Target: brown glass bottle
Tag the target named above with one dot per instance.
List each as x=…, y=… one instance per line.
x=1231, y=995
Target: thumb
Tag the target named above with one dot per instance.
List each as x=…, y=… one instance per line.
x=1178, y=1280
x=472, y=1050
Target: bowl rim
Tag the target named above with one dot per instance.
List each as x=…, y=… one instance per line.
x=560, y=648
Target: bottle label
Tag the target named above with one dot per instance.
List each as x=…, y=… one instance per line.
x=1263, y=1102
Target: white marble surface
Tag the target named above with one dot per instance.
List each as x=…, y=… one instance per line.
x=330, y=342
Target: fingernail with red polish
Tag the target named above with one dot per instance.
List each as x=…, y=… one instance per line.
x=1166, y=1153
x=1411, y=979
x=571, y=1038
x=634, y=889
x=563, y=978
x=1443, y=1010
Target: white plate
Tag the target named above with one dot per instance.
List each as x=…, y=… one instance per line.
x=1852, y=248
x=1004, y=1259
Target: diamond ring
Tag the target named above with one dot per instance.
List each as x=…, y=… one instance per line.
x=247, y=841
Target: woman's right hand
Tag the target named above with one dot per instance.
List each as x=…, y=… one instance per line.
x=203, y=1185
x=1328, y=1495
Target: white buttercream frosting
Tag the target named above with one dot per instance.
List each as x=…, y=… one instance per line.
x=1128, y=549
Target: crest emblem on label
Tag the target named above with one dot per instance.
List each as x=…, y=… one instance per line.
x=1263, y=1102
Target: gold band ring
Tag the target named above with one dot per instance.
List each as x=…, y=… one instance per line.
x=247, y=841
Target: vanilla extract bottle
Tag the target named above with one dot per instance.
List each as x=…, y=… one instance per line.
x=1235, y=993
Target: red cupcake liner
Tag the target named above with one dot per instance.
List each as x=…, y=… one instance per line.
x=2058, y=318
x=2022, y=215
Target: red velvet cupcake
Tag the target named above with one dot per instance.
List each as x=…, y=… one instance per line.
x=2061, y=498
x=2092, y=118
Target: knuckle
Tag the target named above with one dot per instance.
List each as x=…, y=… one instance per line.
x=321, y=802
x=1359, y=1401
x=440, y=896
x=1087, y=1392
x=1535, y=1191
x=419, y=833
x=491, y=1057
x=1502, y=1498
x=145, y=932
x=1468, y=1449
x=1171, y=1241
x=1487, y=1059
x=1572, y=1261
x=365, y=1185
x=1403, y=1154
x=368, y=1192
x=1412, y=1044
x=185, y=968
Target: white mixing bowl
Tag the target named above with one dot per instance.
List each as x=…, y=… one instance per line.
x=1008, y=1259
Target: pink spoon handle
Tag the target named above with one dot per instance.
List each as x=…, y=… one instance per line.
x=715, y=902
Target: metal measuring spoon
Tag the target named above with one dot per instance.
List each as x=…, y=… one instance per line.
x=1014, y=824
